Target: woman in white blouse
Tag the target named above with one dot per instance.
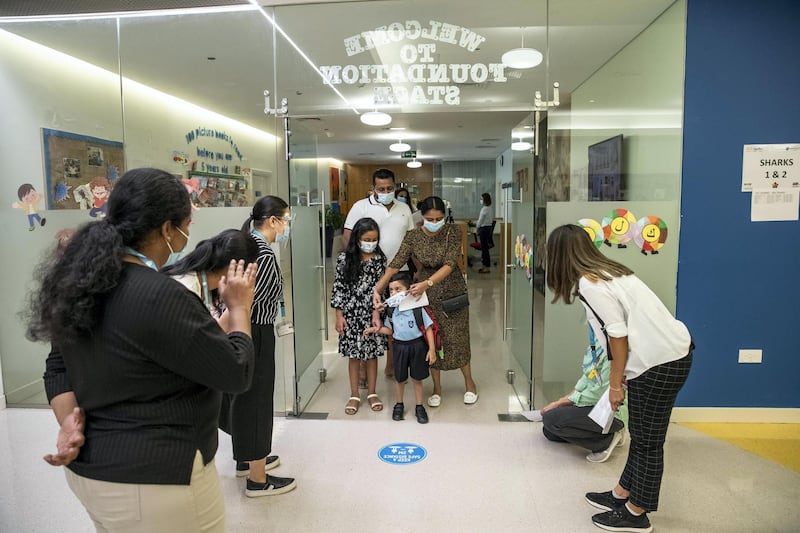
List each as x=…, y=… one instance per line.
x=650, y=353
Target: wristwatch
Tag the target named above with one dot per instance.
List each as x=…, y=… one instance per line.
x=430, y=282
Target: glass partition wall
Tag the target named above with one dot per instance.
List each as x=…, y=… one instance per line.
x=89, y=99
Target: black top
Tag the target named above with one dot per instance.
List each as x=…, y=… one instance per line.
x=149, y=379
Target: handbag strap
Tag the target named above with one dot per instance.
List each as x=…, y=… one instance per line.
x=602, y=325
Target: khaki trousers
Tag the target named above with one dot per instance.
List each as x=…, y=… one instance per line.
x=129, y=508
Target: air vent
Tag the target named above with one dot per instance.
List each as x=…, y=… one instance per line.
x=302, y=119
x=486, y=146
x=367, y=153
x=489, y=140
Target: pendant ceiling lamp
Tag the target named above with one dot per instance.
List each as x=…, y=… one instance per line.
x=399, y=146
x=522, y=58
x=521, y=145
x=376, y=118
x=414, y=163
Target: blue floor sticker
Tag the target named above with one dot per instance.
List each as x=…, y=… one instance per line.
x=402, y=453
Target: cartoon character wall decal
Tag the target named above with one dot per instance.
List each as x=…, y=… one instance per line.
x=620, y=226
x=29, y=201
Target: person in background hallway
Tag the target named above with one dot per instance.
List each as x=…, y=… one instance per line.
x=437, y=247
x=393, y=218
x=202, y=270
x=567, y=419
x=404, y=196
x=249, y=416
x=133, y=352
x=484, y=225
x=358, y=268
x=650, y=351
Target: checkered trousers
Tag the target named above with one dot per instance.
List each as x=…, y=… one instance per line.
x=651, y=397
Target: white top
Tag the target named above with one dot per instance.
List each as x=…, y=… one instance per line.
x=630, y=309
x=192, y=282
x=485, y=217
x=393, y=222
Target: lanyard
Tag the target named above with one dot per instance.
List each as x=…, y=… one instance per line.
x=204, y=283
x=146, y=260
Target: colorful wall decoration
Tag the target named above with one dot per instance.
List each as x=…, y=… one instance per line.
x=620, y=227
x=523, y=253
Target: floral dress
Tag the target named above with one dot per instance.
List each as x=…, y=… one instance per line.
x=355, y=302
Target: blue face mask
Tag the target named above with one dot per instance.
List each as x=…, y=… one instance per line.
x=174, y=256
x=402, y=199
x=283, y=237
x=433, y=227
x=386, y=198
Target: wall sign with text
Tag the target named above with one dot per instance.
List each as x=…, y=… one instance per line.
x=770, y=166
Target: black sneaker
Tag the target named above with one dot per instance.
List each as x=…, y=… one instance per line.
x=622, y=520
x=397, y=412
x=243, y=467
x=422, y=415
x=275, y=485
x=605, y=500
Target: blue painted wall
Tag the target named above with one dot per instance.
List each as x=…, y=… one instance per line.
x=738, y=281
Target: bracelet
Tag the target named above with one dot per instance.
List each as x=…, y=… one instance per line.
x=615, y=390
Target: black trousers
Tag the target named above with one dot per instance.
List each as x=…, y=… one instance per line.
x=248, y=417
x=651, y=397
x=572, y=424
x=485, y=236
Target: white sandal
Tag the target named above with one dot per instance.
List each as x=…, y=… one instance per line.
x=375, y=406
x=470, y=397
x=434, y=400
x=352, y=409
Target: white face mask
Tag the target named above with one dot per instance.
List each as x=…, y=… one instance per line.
x=386, y=198
x=367, y=247
x=394, y=301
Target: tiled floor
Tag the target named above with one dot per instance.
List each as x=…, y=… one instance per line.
x=480, y=475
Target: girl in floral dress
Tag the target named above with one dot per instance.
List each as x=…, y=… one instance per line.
x=358, y=269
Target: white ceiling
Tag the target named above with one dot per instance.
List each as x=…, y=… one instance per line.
x=170, y=53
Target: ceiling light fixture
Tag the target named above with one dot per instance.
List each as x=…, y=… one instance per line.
x=376, y=118
x=520, y=145
x=399, y=146
x=414, y=163
x=522, y=58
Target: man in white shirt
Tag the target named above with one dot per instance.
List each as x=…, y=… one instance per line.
x=394, y=220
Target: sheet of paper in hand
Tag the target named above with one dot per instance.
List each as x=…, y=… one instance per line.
x=602, y=413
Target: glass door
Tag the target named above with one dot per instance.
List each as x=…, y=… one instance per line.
x=308, y=269
x=519, y=277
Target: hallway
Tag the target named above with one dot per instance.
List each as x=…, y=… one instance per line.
x=480, y=475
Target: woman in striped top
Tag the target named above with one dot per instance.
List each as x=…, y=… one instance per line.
x=249, y=420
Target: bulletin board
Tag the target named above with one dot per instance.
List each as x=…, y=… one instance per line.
x=208, y=189
x=74, y=163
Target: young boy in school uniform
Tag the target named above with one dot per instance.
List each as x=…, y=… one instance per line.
x=413, y=352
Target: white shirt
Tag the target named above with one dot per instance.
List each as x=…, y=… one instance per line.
x=394, y=222
x=485, y=217
x=630, y=309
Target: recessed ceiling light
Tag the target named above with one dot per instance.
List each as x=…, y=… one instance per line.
x=413, y=164
x=397, y=129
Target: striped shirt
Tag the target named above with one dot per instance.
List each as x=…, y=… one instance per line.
x=269, y=284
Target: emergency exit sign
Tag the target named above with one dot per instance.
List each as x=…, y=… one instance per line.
x=410, y=154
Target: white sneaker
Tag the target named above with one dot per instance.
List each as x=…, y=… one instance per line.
x=602, y=457
x=435, y=400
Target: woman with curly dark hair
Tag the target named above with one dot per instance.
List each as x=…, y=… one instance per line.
x=138, y=362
